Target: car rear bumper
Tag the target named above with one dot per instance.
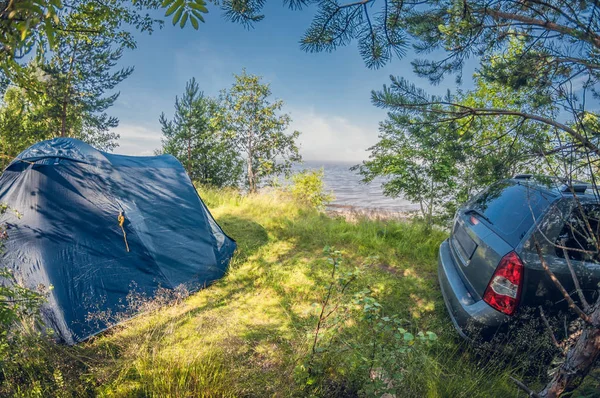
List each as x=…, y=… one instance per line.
x=470, y=317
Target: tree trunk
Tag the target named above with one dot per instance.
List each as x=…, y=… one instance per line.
x=430, y=210
x=189, y=150
x=580, y=359
x=250, y=153
x=251, y=182
x=423, y=212
x=63, y=116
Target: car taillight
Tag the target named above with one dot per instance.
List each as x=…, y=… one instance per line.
x=504, y=290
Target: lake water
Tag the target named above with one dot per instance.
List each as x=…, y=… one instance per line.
x=350, y=191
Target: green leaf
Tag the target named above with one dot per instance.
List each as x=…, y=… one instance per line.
x=199, y=7
x=194, y=22
x=177, y=6
x=50, y=34
x=166, y=3
x=184, y=19
x=31, y=7
x=24, y=33
x=177, y=16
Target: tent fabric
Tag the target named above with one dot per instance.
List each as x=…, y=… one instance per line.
x=70, y=195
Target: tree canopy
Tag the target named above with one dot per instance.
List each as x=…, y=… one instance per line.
x=257, y=129
x=440, y=162
x=192, y=137
x=66, y=91
x=417, y=161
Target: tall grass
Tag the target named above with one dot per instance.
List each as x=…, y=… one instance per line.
x=248, y=334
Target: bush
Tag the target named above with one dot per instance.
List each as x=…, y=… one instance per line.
x=358, y=346
x=21, y=345
x=307, y=187
x=25, y=366
x=18, y=305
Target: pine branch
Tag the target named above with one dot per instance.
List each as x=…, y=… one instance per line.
x=549, y=329
x=590, y=37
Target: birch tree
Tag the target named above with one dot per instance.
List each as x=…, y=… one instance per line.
x=258, y=129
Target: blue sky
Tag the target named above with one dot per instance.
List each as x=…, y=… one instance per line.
x=327, y=94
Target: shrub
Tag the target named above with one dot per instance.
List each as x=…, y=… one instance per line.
x=17, y=303
x=356, y=347
x=26, y=368
x=307, y=187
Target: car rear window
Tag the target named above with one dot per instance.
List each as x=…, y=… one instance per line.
x=511, y=208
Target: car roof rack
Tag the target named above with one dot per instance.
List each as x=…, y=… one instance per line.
x=522, y=176
x=563, y=184
x=575, y=187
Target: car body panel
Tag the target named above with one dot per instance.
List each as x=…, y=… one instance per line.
x=477, y=270
x=466, y=312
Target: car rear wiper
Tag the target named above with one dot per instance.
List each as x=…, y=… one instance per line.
x=480, y=215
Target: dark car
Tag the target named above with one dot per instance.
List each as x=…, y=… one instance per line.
x=490, y=270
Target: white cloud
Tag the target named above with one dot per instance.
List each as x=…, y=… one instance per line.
x=331, y=137
x=324, y=137
x=137, y=140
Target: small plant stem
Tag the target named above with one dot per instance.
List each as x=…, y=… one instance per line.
x=322, y=316
x=550, y=332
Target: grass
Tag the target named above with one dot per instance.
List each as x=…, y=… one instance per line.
x=250, y=333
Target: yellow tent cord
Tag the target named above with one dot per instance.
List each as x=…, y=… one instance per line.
x=121, y=220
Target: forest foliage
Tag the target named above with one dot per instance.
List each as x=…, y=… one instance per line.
x=240, y=133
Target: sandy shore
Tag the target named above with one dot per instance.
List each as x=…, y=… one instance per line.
x=353, y=213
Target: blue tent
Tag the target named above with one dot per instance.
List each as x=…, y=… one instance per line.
x=98, y=226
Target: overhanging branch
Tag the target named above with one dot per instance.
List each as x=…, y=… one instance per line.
x=468, y=111
x=588, y=36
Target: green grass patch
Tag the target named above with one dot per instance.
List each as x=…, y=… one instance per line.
x=250, y=333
